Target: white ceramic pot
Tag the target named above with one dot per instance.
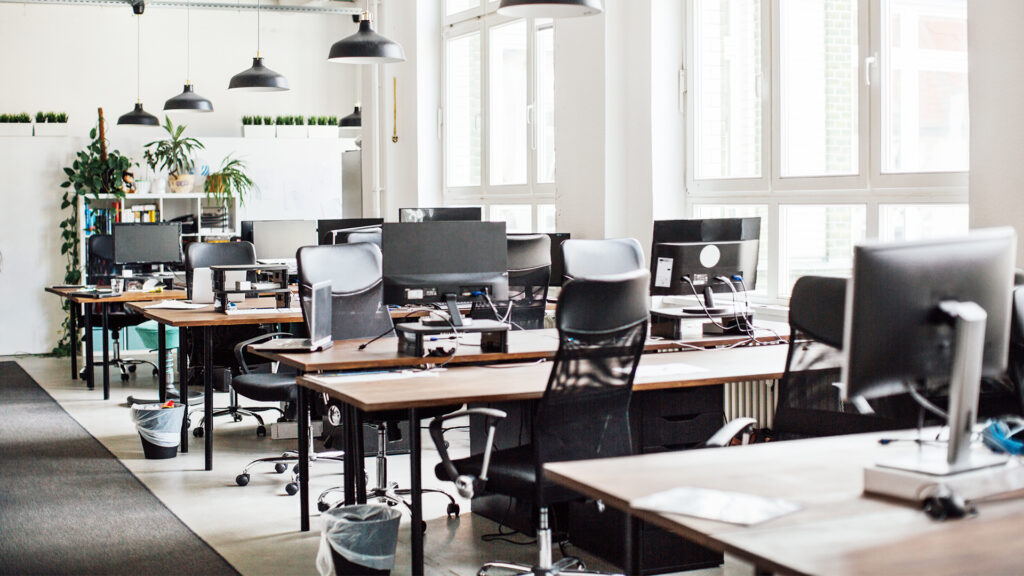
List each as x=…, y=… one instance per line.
x=323, y=131
x=158, y=186
x=142, y=186
x=52, y=129
x=292, y=131
x=260, y=131
x=181, y=184
x=15, y=129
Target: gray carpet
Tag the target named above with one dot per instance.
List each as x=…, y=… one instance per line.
x=68, y=506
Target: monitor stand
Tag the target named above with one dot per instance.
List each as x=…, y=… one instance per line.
x=928, y=465
x=454, y=318
x=709, y=304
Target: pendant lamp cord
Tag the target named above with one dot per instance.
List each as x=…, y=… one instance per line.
x=257, y=28
x=188, y=42
x=138, y=58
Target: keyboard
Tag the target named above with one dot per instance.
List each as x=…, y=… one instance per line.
x=234, y=311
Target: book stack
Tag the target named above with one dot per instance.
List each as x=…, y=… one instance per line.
x=140, y=213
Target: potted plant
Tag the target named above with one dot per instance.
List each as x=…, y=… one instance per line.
x=174, y=154
x=321, y=127
x=228, y=182
x=253, y=127
x=51, y=124
x=291, y=127
x=15, y=124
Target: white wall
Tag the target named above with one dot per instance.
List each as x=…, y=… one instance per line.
x=997, y=116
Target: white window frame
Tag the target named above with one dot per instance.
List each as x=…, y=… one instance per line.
x=482, y=19
x=870, y=187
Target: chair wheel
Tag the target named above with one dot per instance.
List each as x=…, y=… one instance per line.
x=242, y=479
x=236, y=417
x=280, y=467
x=291, y=488
x=156, y=372
x=453, y=510
x=261, y=431
x=82, y=373
x=124, y=377
x=323, y=506
x=197, y=431
x=131, y=368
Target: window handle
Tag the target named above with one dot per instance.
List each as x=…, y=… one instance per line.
x=531, y=121
x=869, y=63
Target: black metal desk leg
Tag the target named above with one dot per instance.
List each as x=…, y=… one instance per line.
x=161, y=362
x=90, y=376
x=106, y=353
x=631, y=562
x=351, y=466
x=304, y=441
x=416, y=492
x=183, y=384
x=358, y=455
x=208, y=394
x=73, y=326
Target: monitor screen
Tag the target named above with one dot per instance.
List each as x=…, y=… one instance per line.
x=326, y=228
x=442, y=214
x=426, y=262
x=281, y=239
x=155, y=243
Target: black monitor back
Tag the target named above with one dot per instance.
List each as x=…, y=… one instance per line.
x=441, y=214
x=326, y=227
x=424, y=261
x=707, y=230
x=150, y=243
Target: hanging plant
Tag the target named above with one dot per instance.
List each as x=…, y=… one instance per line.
x=230, y=181
x=94, y=171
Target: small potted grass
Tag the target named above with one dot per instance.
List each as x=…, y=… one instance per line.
x=254, y=127
x=322, y=127
x=15, y=124
x=51, y=124
x=291, y=127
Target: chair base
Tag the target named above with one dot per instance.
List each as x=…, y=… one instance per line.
x=237, y=413
x=280, y=465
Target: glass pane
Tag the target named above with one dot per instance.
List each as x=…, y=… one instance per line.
x=744, y=211
x=463, y=110
x=517, y=217
x=818, y=240
x=545, y=105
x=818, y=87
x=456, y=6
x=507, y=70
x=546, y=218
x=923, y=221
x=727, y=100
x=924, y=86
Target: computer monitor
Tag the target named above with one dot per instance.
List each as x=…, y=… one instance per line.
x=444, y=262
x=701, y=257
x=557, y=262
x=326, y=228
x=279, y=240
x=442, y=214
x=145, y=244
x=934, y=310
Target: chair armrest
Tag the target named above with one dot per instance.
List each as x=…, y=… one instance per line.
x=726, y=433
x=240, y=347
x=465, y=484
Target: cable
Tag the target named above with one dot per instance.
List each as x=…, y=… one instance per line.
x=385, y=333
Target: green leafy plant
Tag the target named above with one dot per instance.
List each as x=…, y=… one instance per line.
x=311, y=120
x=51, y=117
x=22, y=118
x=268, y=121
x=333, y=121
x=228, y=182
x=40, y=117
x=93, y=172
x=247, y=121
x=174, y=153
x=62, y=117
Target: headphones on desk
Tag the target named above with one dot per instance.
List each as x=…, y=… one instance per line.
x=945, y=504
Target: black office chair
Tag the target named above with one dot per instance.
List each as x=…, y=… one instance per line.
x=588, y=258
x=584, y=413
x=100, y=268
x=529, y=270
x=204, y=255
x=373, y=236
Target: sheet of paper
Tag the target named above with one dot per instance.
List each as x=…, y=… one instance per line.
x=645, y=372
x=378, y=376
x=174, y=305
x=663, y=273
x=732, y=507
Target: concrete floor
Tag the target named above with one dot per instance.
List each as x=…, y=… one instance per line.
x=256, y=528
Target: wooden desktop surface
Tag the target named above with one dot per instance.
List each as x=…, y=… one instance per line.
x=513, y=382
x=523, y=345
x=838, y=532
x=208, y=316
x=127, y=296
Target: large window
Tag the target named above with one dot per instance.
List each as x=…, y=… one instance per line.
x=834, y=120
x=499, y=115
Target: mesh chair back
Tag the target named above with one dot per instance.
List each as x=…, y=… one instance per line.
x=206, y=254
x=529, y=270
x=357, y=287
x=589, y=258
x=1015, y=370
x=584, y=413
x=100, y=263
x=810, y=402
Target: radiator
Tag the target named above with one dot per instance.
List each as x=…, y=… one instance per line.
x=752, y=399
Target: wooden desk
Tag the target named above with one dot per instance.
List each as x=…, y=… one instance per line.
x=125, y=297
x=839, y=531
x=523, y=345
x=203, y=319
x=484, y=384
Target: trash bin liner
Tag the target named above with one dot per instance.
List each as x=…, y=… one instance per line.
x=159, y=428
x=358, y=539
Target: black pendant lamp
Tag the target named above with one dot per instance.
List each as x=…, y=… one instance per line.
x=353, y=119
x=366, y=47
x=549, y=8
x=259, y=78
x=188, y=100
x=138, y=116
